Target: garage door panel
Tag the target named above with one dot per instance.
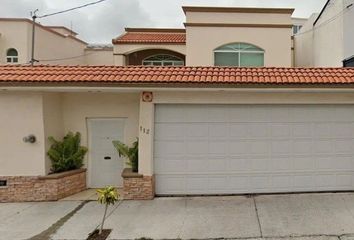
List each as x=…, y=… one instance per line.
x=281, y=147
x=342, y=129
x=197, y=130
x=260, y=164
x=216, y=149
x=239, y=130
x=304, y=163
x=323, y=146
x=165, y=131
x=280, y=130
x=165, y=114
x=197, y=147
x=344, y=146
x=218, y=114
x=196, y=165
x=344, y=181
x=167, y=148
x=302, y=130
x=219, y=130
x=302, y=146
x=281, y=164
x=239, y=164
x=241, y=147
x=322, y=130
x=259, y=147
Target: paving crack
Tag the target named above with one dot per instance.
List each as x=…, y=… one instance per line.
x=45, y=235
x=259, y=222
x=184, y=219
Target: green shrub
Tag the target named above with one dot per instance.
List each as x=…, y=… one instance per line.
x=131, y=153
x=67, y=154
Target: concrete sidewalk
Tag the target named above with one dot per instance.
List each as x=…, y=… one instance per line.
x=298, y=216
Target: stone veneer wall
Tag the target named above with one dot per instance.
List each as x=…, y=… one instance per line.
x=43, y=188
x=137, y=187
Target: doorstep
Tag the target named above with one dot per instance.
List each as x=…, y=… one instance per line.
x=89, y=194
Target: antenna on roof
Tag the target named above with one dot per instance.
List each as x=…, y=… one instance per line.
x=34, y=17
x=71, y=28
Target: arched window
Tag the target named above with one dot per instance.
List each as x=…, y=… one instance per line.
x=163, y=60
x=12, y=55
x=239, y=55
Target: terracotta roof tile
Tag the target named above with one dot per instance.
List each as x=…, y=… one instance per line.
x=143, y=37
x=173, y=75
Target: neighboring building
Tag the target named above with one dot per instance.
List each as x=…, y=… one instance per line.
x=214, y=36
x=99, y=54
x=201, y=130
x=326, y=40
x=150, y=46
x=53, y=45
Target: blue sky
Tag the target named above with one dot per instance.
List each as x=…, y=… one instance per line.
x=102, y=22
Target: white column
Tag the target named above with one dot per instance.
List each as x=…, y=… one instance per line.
x=146, y=138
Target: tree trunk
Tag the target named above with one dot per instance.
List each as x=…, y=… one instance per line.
x=104, y=218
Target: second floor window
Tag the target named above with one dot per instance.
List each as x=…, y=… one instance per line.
x=12, y=56
x=239, y=55
x=163, y=60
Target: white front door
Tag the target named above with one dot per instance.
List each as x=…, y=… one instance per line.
x=105, y=165
x=226, y=149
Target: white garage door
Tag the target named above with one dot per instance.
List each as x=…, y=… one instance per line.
x=226, y=149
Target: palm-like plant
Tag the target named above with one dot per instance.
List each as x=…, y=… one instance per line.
x=131, y=153
x=67, y=154
x=107, y=196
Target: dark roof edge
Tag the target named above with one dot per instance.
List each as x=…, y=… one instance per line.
x=322, y=11
x=162, y=30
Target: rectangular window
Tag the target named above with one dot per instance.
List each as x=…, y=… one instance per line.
x=226, y=59
x=252, y=60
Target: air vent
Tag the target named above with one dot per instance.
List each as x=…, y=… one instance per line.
x=3, y=183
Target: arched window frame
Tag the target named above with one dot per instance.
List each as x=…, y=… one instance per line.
x=253, y=49
x=165, y=60
x=12, y=55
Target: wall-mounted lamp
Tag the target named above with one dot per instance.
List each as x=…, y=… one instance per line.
x=29, y=139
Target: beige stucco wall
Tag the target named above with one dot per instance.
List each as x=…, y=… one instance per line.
x=276, y=42
x=124, y=49
x=21, y=115
x=14, y=35
x=54, y=114
x=328, y=37
x=53, y=122
x=49, y=45
x=348, y=30
x=203, y=40
x=99, y=57
x=303, y=44
x=77, y=107
x=238, y=18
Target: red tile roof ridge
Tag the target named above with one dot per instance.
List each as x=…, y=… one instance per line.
x=167, y=75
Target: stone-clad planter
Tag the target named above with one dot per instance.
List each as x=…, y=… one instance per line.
x=43, y=188
x=137, y=186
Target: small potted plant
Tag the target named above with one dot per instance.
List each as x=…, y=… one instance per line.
x=131, y=153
